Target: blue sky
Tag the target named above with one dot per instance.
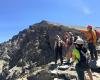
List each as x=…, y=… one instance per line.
x=16, y=15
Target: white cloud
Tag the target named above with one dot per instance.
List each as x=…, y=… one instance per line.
x=79, y=4
x=86, y=10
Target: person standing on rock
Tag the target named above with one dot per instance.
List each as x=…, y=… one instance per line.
x=58, y=49
x=81, y=61
x=65, y=39
x=68, y=39
x=91, y=39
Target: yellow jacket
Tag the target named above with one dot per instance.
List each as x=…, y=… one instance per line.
x=76, y=55
x=91, y=37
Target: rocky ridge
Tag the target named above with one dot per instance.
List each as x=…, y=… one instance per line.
x=28, y=54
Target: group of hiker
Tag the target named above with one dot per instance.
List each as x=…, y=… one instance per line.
x=63, y=46
x=73, y=47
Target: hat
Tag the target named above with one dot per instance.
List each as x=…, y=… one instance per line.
x=71, y=33
x=79, y=41
x=58, y=37
x=89, y=27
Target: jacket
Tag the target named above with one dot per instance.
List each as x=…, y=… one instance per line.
x=91, y=37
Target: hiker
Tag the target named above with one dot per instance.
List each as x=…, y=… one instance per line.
x=65, y=39
x=68, y=43
x=80, y=60
x=75, y=38
x=91, y=40
x=71, y=39
x=97, y=34
x=58, y=49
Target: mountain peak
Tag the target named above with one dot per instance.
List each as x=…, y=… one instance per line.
x=45, y=22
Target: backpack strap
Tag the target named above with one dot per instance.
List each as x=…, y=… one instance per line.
x=83, y=53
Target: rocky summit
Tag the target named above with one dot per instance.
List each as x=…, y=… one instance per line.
x=34, y=44
x=28, y=54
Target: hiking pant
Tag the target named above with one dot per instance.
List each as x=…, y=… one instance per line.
x=80, y=73
x=58, y=53
x=64, y=51
x=93, y=51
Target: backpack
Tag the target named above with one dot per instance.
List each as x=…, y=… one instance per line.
x=83, y=62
